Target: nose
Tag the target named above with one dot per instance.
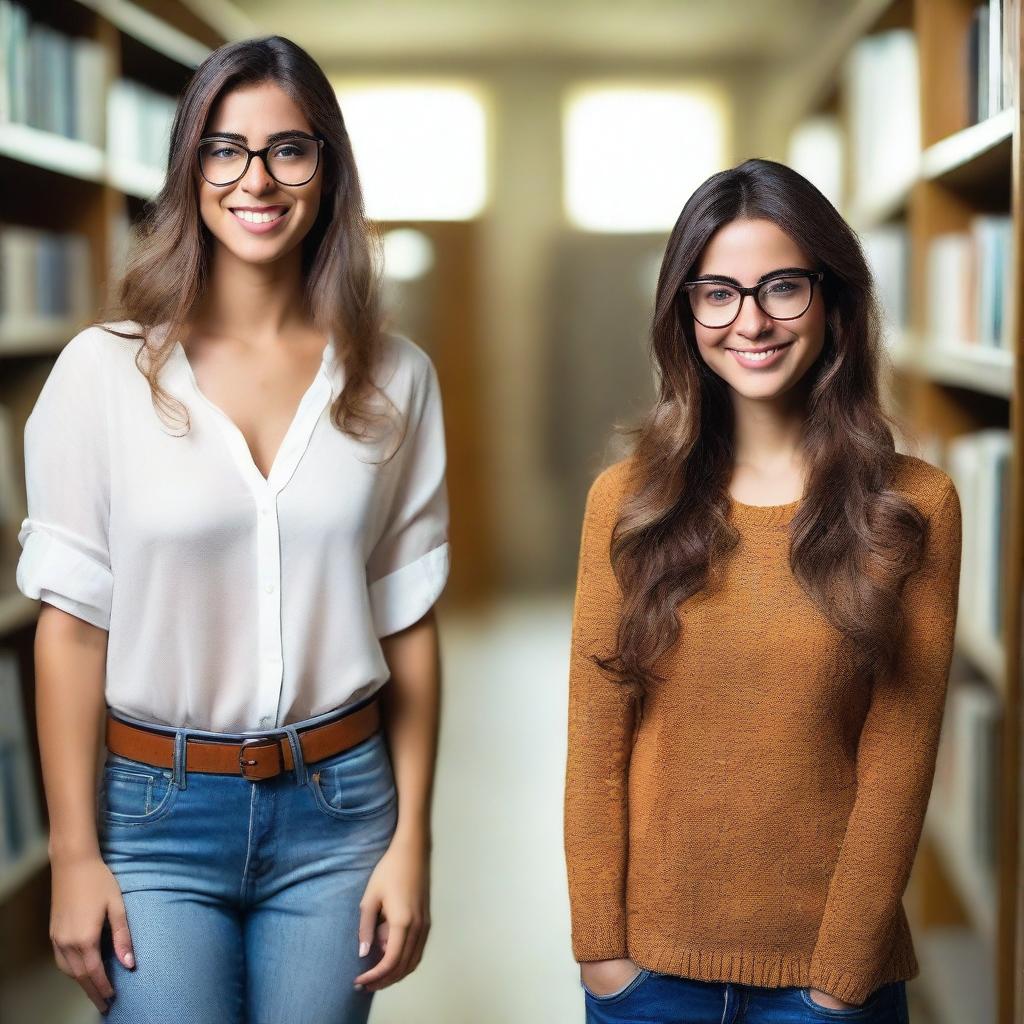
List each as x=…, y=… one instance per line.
x=257, y=179
x=751, y=321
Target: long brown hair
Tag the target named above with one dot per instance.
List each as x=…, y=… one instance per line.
x=853, y=540
x=169, y=259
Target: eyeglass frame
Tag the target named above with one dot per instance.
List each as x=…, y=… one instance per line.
x=812, y=275
x=262, y=154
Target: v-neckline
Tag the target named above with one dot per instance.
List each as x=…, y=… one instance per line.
x=296, y=437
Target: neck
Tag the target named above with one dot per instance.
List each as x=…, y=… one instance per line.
x=254, y=302
x=767, y=432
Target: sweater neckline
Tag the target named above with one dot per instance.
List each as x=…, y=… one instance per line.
x=762, y=515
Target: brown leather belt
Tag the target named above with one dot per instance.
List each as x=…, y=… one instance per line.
x=254, y=759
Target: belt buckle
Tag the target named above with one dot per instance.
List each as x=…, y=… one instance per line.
x=260, y=771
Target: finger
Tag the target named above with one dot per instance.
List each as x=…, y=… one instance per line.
x=404, y=965
x=421, y=945
x=81, y=975
x=381, y=935
x=386, y=965
x=368, y=911
x=94, y=968
x=120, y=935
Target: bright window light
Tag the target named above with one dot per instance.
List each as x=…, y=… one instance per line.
x=421, y=148
x=634, y=154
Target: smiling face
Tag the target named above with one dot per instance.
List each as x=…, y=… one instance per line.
x=757, y=356
x=257, y=218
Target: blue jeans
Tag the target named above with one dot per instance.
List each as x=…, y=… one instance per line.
x=243, y=897
x=653, y=998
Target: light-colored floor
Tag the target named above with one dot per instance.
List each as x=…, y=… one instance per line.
x=499, y=950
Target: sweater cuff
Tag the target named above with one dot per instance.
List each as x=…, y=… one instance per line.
x=599, y=943
x=851, y=988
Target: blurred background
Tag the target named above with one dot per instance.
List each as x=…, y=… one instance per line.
x=525, y=162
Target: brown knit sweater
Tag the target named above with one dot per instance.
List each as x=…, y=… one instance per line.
x=758, y=821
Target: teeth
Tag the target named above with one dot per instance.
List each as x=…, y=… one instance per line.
x=257, y=218
x=759, y=356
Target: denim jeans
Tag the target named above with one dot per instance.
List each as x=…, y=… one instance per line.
x=243, y=897
x=654, y=998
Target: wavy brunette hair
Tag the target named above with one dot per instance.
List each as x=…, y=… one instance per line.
x=168, y=264
x=854, y=540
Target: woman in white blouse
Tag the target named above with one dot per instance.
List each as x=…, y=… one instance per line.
x=237, y=521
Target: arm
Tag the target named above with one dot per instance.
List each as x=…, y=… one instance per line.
x=399, y=889
x=70, y=657
x=895, y=766
x=601, y=720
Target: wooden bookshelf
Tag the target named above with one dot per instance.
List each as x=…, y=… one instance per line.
x=968, y=927
x=63, y=184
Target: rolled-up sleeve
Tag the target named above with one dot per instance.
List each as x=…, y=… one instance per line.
x=408, y=567
x=65, y=556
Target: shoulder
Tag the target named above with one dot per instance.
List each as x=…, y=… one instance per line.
x=923, y=484
x=404, y=371
x=609, y=490
x=100, y=344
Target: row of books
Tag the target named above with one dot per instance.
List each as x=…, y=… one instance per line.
x=989, y=60
x=43, y=274
x=21, y=823
x=880, y=79
x=49, y=80
x=966, y=790
x=968, y=283
x=979, y=464
x=887, y=250
x=140, y=124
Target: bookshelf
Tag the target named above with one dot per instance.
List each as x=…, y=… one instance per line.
x=946, y=241
x=78, y=169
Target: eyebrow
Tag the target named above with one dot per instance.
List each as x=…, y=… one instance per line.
x=764, y=277
x=271, y=139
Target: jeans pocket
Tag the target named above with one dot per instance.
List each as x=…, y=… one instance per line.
x=866, y=1009
x=133, y=792
x=628, y=989
x=357, y=783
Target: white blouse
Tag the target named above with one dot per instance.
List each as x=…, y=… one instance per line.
x=233, y=602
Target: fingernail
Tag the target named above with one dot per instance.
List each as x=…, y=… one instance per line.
x=364, y=948
x=129, y=960
x=359, y=988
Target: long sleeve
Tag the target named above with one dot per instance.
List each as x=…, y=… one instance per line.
x=895, y=767
x=65, y=557
x=601, y=718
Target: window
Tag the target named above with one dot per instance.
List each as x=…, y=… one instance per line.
x=634, y=154
x=421, y=148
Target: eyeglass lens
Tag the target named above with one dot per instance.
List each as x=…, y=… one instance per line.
x=291, y=162
x=715, y=303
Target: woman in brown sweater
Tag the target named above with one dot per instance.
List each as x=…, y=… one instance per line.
x=761, y=641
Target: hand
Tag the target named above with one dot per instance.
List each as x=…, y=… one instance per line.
x=399, y=892
x=824, y=999
x=603, y=977
x=85, y=894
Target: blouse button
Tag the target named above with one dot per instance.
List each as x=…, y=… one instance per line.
x=269, y=588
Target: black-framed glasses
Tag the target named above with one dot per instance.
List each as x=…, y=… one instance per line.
x=715, y=302
x=289, y=161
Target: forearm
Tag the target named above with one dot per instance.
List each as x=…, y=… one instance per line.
x=70, y=657
x=411, y=712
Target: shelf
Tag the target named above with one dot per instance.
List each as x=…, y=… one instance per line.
x=12, y=876
x=971, y=154
x=977, y=891
x=869, y=212
x=149, y=30
x=975, y=367
x=54, y=152
x=957, y=975
x=136, y=179
x=16, y=611
x=984, y=652
x=38, y=336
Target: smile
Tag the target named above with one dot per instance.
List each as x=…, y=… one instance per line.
x=756, y=360
x=259, y=222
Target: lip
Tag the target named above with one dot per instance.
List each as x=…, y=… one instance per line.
x=261, y=229
x=740, y=355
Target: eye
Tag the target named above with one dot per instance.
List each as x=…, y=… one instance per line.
x=781, y=287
